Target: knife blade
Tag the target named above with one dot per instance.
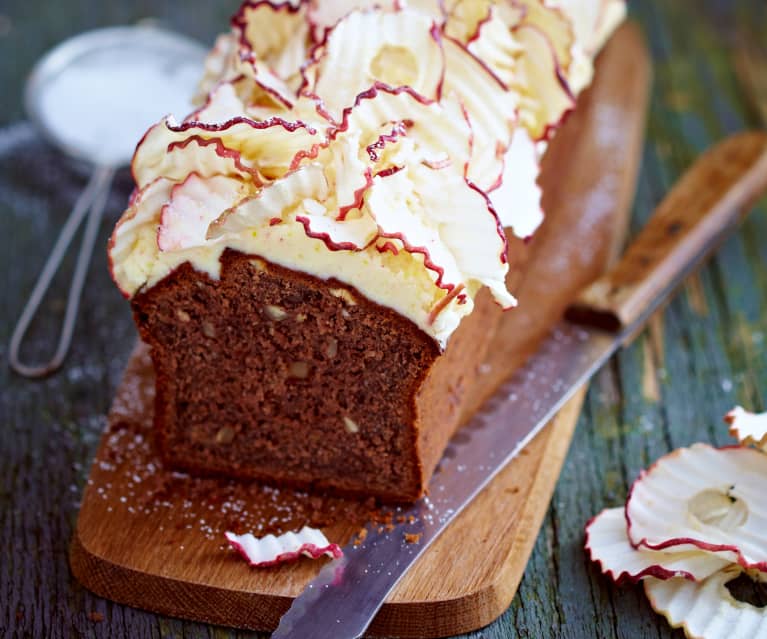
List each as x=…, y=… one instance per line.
x=697, y=215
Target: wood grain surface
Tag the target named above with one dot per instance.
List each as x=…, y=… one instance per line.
x=150, y=558
x=706, y=352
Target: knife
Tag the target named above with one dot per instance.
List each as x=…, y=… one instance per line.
x=702, y=209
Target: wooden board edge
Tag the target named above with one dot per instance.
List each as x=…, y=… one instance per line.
x=172, y=597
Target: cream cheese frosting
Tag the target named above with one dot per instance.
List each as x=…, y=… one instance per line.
x=381, y=144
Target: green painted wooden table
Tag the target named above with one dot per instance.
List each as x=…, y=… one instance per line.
x=670, y=388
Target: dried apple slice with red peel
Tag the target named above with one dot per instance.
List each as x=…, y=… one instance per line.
x=219, y=66
x=517, y=200
x=707, y=610
x=495, y=45
x=465, y=17
x=193, y=205
x=261, y=552
x=608, y=544
x=205, y=157
x=612, y=13
x=397, y=49
x=304, y=195
x=555, y=24
x=137, y=232
x=703, y=498
x=545, y=98
x=350, y=176
x=439, y=130
x=443, y=225
x=273, y=201
x=268, y=145
x=747, y=427
x=466, y=220
x=324, y=15
x=391, y=202
x=267, y=86
x=276, y=33
x=490, y=109
x=348, y=235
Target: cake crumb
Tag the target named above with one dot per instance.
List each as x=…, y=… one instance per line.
x=362, y=535
x=95, y=616
x=413, y=538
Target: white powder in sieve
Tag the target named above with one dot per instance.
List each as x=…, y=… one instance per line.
x=100, y=105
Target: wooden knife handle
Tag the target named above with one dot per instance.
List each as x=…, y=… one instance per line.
x=694, y=218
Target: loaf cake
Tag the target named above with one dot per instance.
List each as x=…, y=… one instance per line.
x=319, y=254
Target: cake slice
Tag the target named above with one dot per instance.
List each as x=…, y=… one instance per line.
x=317, y=256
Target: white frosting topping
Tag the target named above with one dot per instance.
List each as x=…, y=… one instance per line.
x=388, y=154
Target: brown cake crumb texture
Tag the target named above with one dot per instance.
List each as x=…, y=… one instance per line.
x=272, y=374
x=132, y=477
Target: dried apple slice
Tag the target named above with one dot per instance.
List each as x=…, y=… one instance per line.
x=219, y=66
x=261, y=552
x=608, y=544
x=193, y=205
x=490, y=109
x=465, y=17
x=136, y=234
x=517, y=200
x=348, y=235
x=703, y=498
x=306, y=196
x=544, y=96
x=707, y=610
x=593, y=22
x=206, y=157
x=324, y=15
x=391, y=202
x=556, y=26
x=268, y=146
x=612, y=13
x=268, y=89
x=397, y=49
x=494, y=42
x=273, y=202
x=439, y=131
x=747, y=427
x=438, y=214
x=469, y=226
x=276, y=33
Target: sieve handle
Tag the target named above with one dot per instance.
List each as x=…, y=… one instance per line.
x=91, y=203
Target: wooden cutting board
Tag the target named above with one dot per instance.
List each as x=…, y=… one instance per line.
x=142, y=541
